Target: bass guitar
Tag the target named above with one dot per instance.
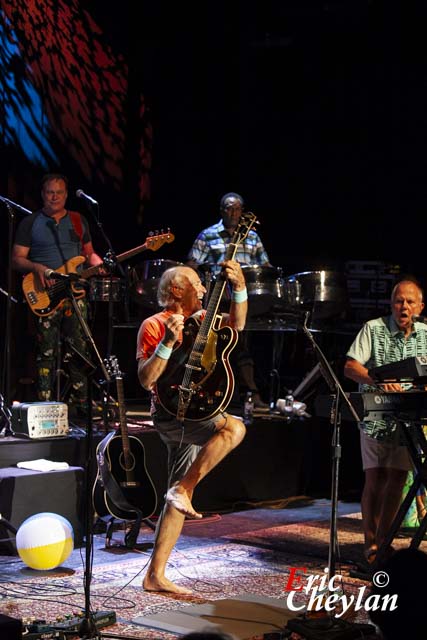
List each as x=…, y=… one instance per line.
x=43, y=302
x=198, y=381
x=123, y=487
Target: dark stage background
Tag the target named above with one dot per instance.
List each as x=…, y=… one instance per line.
x=314, y=111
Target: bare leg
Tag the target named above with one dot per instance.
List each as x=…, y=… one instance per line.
x=167, y=535
x=372, y=496
x=393, y=486
x=381, y=498
x=421, y=504
x=229, y=434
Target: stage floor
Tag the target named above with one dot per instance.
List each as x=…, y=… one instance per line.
x=261, y=518
x=222, y=559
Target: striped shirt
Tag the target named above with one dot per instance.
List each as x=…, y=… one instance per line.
x=380, y=341
x=212, y=243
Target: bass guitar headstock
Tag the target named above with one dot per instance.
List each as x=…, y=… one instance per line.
x=155, y=240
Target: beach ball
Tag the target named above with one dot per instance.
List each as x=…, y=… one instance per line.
x=44, y=540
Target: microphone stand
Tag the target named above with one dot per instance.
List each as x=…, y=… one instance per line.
x=110, y=260
x=5, y=418
x=87, y=627
x=310, y=626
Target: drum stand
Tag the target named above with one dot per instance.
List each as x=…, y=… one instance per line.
x=276, y=359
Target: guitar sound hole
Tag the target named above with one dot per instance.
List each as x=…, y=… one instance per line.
x=131, y=462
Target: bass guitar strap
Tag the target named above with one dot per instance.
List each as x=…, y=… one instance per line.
x=110, y=484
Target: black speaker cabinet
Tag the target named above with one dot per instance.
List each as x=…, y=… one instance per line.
x=24, y=493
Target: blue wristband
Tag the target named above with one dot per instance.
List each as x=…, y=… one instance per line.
x=240, y=296
x=163, y=352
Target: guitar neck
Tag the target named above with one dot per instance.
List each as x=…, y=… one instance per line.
x=92, y=271
x=123, y=423
x=213, y=305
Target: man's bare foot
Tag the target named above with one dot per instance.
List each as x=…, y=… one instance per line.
x=151, y=583
x=177, y=497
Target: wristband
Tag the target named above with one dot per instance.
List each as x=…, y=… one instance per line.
x=240, y=296
x=163, y=352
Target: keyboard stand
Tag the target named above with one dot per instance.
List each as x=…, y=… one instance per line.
x=417, y=445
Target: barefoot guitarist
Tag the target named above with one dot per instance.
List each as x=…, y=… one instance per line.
x=195, y=446
x=45, y=241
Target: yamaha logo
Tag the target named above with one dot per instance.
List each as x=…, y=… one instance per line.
x=382, y=399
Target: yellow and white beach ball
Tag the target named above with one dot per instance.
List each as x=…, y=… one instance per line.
x=44, y=540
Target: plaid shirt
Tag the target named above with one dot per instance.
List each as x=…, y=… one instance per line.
x=212, y=243
x=380, y=341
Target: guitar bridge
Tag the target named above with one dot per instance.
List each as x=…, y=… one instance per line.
x=130, y=484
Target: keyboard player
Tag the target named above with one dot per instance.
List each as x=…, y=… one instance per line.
x=385, y=459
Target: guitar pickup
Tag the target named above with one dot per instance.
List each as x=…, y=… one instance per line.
x=32, y=297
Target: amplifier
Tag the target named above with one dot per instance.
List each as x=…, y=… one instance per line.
x=40, y=419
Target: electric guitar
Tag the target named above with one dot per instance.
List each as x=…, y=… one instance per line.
x=123, y=487
x=43, y=302
x=198, y=381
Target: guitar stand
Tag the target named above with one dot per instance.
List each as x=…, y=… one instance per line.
x=131, y=536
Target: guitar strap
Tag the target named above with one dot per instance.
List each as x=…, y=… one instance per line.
x=108, y=480
x=76, y=221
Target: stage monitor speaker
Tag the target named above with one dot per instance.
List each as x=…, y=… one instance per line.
x=23, y=493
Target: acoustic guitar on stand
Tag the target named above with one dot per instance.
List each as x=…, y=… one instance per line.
x=123, y=487
x=43, y=302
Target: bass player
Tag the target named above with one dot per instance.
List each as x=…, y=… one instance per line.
x=195, y=447
x=45, y=241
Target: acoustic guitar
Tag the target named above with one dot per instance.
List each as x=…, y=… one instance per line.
x=123, y=487
x=198, y=381
x=43, y=302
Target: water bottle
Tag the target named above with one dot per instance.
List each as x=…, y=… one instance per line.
x=248, y=408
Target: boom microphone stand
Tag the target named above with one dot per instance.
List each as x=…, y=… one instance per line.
x=87, y=627
x=311, y=627
x=110, y=260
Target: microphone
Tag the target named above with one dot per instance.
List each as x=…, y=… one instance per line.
x=422, y=319
x=290, y=407
x=50, y=274
x=81, y=194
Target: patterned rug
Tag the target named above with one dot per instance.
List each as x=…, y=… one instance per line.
x=213, y=572
x=312, y=539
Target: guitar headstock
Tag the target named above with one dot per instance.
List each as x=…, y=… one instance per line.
x=246, y=222
x=112, y=366
x=154, y=242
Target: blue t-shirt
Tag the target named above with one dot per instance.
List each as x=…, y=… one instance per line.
x=51, y=243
